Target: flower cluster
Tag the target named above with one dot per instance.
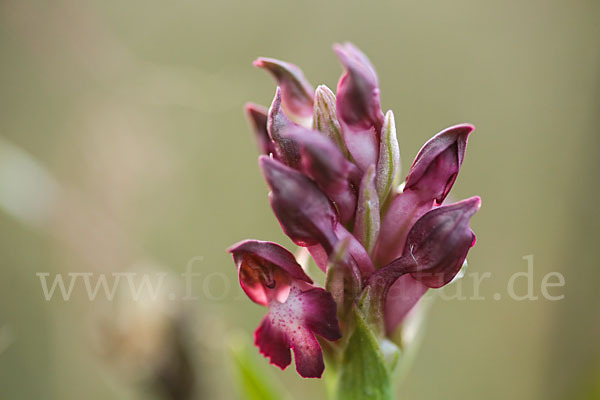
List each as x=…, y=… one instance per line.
x=333, y=167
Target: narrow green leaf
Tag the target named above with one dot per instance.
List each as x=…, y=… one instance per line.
x=363, y=374
x=254, y=382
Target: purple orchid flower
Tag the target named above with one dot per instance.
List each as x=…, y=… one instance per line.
x=333, y=169
x=271, y=277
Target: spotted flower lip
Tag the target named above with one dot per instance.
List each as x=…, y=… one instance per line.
x=332, y=164
x=270, y=276
x=293, y=324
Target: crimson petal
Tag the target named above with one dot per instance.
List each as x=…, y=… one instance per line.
x=293, y=324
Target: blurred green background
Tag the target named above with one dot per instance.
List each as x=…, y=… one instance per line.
x=123, y=147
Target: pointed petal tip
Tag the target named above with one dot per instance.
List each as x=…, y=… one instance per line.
x=342, y=49
x=322, y=88
x=343, y=52
x=260, y=62
x=470, y=205
x=235, y=246
x=257, y=115
x=338, y=49
x=275, y=107
x=275, y=104
x=476, y=200
x=459, y=129
x=353, y=58
x=323, y=92
x=277, y=94
x=471, y=127
x=251, y=107
x=297, y=92
x=267, y=62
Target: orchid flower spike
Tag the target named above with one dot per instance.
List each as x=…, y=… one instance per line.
x=331, y=162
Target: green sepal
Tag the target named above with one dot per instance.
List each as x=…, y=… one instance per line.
x=325, y=118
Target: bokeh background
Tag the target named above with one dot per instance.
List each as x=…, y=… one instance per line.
x=123, y=147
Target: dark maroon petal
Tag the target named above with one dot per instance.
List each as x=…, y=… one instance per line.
x=273, y=343
x=430, y=179
x=404, y=210
x=323, y=161
x=320, y=313
x=358, y=105
x=277, y=125
x=436, y=248
x=436, y=166
x=257, y=115
x=358, y=102
x=439, y=242
x=357, y=251
x=305, y=214
x=297, y=92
